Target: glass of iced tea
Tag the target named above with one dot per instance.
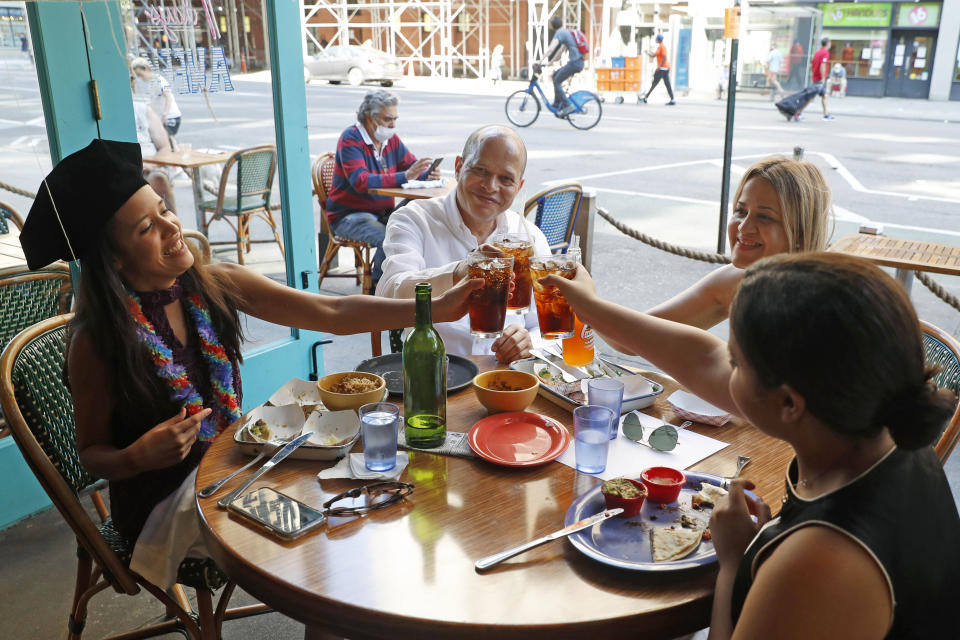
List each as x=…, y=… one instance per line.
x=518, y=244
x=553, y=311
x=488, y=304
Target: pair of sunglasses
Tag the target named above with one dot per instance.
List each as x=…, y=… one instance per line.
x=663, y=438
x=378, y=496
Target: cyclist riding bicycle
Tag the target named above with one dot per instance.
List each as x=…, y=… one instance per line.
x=563, y=38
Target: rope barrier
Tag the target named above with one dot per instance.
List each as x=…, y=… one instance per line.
x=18, y=191
x=713, y=258
x=716, y=258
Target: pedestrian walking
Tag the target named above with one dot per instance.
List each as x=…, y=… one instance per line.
x=774, y=62
x=496, y=61
x=662, y=72
x=819, y=66
x=157, y=89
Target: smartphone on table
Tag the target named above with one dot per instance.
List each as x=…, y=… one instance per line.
x=426, y=174
x=277, y=512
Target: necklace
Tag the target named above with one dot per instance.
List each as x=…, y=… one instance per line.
x=805, y=482
x=226, y=408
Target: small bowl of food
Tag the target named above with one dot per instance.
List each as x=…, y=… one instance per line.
x=506, y=390
x=350, y=389
x=663, y=483
x=624, y=493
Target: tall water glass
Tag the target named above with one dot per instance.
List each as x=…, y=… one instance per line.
x=378, y=421
x=488, y=304
x=518, y=244
x=591, y=432
x=606, y=392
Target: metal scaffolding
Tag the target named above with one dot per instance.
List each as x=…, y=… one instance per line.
x=444, y=38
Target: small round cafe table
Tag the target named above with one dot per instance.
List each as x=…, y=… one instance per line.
x=407, y=571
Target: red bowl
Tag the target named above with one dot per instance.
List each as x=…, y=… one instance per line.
x=630, y=506
x=663, y=483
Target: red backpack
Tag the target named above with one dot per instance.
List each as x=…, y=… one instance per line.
x=581, y=40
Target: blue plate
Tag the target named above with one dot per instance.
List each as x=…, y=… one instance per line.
x=625, y=542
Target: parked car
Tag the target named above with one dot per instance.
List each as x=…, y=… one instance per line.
x=352, y=64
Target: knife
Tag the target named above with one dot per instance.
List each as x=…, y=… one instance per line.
x=489, y=561
x=569, y=374
x=289, y=448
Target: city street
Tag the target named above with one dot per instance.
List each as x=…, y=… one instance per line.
x=655, y=167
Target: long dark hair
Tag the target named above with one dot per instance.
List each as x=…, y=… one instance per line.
x=843, y=334
x=102, y=314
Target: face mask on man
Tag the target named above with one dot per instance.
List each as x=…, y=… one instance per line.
x=382, y=133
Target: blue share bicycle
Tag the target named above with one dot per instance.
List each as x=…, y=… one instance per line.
x=523, y=107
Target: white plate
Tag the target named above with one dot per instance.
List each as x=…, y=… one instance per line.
x=332, y=428
x=690, y=407
x=283, y=422
x=296, y=391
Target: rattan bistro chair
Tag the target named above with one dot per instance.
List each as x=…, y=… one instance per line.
x=27, y=297
x=40, y=412
x=255, y=167
x=557, y=210
x=943, y=351
x=363, y=252
x=8, y=216
x=322, y=173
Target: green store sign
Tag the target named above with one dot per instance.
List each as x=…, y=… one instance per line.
x=857, y=14
x=925, y=14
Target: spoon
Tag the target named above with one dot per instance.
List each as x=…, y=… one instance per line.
x=742, y=461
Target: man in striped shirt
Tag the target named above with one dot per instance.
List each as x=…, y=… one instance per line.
x=370, y=155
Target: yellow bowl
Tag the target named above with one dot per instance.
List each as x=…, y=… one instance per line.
x=339, y=401
x=496, y=401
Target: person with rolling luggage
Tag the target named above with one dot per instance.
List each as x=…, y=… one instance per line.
x=792, y=106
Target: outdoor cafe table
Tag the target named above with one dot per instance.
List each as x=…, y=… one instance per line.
x=407, y=571
x=415, y=194
x=906, y=256
x=11, y=253
x=192, y=161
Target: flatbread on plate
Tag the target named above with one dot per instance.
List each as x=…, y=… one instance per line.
x=673, y=544
x=708, y=496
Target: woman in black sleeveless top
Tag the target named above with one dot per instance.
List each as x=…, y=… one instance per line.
x=825, y=353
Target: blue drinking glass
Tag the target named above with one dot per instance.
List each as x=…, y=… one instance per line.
x=591, y=428
x=605, y=392
x=378, y=421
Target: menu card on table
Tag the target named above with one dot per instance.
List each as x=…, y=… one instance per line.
x=628, y=458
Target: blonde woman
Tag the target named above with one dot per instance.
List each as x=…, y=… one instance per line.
x=781, y=206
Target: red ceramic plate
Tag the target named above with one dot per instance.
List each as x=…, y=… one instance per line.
x=518, y=439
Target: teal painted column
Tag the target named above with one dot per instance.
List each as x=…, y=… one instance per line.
x=66, y=58
x=273, y=365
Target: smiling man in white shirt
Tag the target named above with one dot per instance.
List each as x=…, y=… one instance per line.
x=428, y=240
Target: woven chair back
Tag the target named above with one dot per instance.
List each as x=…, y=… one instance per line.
x=255, y=169
x=322, y=176
x=9, y=218
x=557, y=210
x=28, y=297
x=942, y=351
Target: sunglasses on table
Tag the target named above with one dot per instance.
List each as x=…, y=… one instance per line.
x=379, y=495
x=663, y=438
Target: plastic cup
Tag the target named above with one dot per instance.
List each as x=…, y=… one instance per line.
x=378, y=421
x=605, y=392
x=488, y=304
x=591, y=432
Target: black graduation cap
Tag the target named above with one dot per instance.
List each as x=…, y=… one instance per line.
x=88, y=187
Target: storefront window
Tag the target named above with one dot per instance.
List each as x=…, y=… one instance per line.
x=13, y=27
x=862, y=52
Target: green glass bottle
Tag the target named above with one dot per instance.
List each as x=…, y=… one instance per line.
x=424, y=378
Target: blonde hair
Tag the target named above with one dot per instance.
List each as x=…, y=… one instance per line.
x=805, y=201
x=140, y=63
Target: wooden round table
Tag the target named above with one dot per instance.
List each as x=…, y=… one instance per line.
x=407, y=571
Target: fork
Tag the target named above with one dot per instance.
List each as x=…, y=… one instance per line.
x=211, y=489
x=742, y=461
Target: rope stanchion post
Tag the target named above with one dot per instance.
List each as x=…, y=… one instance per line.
x=713, y=258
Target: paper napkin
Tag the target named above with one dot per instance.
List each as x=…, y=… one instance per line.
x=353, y=466
x=424, y=184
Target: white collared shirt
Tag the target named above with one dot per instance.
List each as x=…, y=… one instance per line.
x=425, y=240
x=367, y=140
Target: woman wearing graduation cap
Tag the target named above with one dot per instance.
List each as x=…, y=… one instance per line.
x=155, y=343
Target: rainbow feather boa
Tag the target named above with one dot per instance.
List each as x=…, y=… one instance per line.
x=182, y=391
